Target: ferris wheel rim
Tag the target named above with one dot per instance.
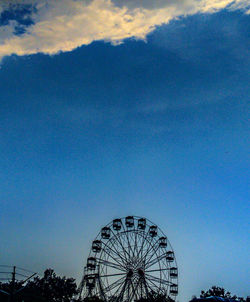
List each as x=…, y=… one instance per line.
x=139, y=217
x=165, y=282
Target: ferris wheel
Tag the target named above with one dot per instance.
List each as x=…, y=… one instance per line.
x=130, y=259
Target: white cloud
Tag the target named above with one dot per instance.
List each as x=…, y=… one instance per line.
x=67, y=24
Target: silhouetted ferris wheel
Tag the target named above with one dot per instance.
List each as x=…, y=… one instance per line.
x=130, y=259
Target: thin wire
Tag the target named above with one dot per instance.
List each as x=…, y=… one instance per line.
x=22, y=275
x=22, y=269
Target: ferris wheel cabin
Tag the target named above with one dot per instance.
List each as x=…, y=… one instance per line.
x=129, y=221
x=163, y=242
x=96, y=246
x=153, y=230
x=117, y=224
x=173, y=272
x=142, y=224
x=91, y=263
x=174, y=289
x=105, y=233
x=170, y=256
x=90, y=281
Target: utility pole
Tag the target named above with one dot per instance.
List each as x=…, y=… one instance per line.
x=12, y=292
x=13, y=280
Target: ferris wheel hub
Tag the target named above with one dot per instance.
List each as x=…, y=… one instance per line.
x=141, y=272
x=130, y=273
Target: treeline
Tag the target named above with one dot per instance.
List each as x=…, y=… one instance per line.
x=219, y=292
x=49, y=288
x=53, y=288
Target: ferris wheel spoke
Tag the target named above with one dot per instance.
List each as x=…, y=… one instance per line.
x=115, y=259
x=150, y=260
x=154, y=261
x=114, y=284
x=140, y=288
x=136, y=287
x=135, y=241
x=142, y=244
x=118, y=290
x=136, y=248
x=126, y=253
x=126, y=233
x=140, y=239
x=151, y=249
x=143, y=286
x=147, y=283
x=120, y=297
x=156, y=287
x=146, y=255
x=111, y=264
x=157, y=270
x=131, y=246
x=111, y=249
x=156, y=279
x=144, y=236
x=124, y=260
x=117, y=263
x=133, y=291
x=112, y=275
x=122, y=246
x=128, y=290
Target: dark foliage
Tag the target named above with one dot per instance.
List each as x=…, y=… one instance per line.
x=92, y=299
x=216, y=291
x=154, y=297
x=49, y=288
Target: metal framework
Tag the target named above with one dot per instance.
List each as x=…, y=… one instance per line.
x=13, y=275
x=130, y=259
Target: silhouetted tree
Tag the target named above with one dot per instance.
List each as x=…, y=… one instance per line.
x=92, y=299
x=53, y=288
x=216, y=291
x=156, y=297
x=8, y=287
x=49, y=288
x=152, y=297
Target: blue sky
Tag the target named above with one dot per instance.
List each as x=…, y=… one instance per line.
x=153, y=125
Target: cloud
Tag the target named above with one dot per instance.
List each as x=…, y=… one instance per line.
x=60, y=26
